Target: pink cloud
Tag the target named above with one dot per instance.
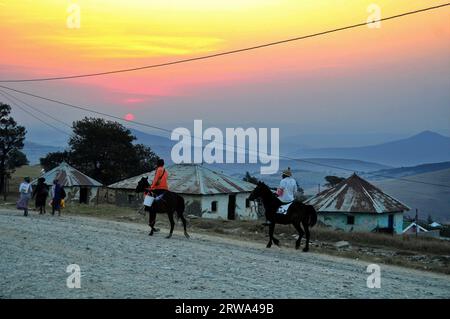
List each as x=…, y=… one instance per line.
x=133, y=100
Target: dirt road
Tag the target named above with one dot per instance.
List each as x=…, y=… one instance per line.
x=119, y=260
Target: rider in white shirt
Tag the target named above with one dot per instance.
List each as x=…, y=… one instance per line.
x=288, y=187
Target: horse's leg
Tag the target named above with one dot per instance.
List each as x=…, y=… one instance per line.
x=300, y=234
x=172, y=224
x=183, y=220
x=271, y=229
x=275, y=240
x=306, y=227
x=271, y=237
x=152, y=220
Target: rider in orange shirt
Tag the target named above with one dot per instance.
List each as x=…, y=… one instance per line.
x=159, y=185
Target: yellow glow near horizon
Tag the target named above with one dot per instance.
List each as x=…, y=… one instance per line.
x=122, y=33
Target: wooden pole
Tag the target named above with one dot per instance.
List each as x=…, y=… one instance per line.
x=417, y=222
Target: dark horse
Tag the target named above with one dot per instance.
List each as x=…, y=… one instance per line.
x=169, y=203
x=298, y=214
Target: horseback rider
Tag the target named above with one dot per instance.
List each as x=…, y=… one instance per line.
x=159, y=185
x=158, y=188
x=286, y=190
x=288, y=187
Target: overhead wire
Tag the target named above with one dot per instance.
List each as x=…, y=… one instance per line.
x=242, y=148
x=215, y=55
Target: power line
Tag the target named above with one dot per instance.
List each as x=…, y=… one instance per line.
x=36, y=109
x=227, y=52
x=85, y=109
x=242, y=148
x=33, y=115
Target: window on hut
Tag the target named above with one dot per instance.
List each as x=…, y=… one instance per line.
x=247, y=203
x=131, y=198
x=350, y=220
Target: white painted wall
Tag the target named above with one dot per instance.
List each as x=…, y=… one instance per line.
x=241, y=212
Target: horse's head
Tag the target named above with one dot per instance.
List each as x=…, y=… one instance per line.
x=142, y=184
x=259, y=191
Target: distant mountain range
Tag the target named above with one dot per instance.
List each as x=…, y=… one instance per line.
x=161, y=145
x=425, y=147
x=427, y=198
x=407, y=171
x=35, y=151
x=424, y=157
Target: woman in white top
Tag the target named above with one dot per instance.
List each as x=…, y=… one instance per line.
x=26, y=192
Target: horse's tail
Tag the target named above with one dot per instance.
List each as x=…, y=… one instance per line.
x=180, y=206
x=312, y=216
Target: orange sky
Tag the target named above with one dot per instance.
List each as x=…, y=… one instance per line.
x=119, y=34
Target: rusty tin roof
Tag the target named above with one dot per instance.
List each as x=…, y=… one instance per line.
x=68, y=176
x=192, y=179
x=355, y=195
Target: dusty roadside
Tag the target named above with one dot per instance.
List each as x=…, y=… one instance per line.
x=118, y=259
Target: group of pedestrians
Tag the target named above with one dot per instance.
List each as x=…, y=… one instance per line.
x=40, y=194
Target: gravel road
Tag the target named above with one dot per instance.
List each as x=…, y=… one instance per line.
x=119, y=260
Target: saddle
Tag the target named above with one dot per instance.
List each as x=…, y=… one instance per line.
x=284, y=208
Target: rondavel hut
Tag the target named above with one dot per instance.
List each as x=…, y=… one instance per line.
x=207, y=193
x=356, y=205
x=79, y=187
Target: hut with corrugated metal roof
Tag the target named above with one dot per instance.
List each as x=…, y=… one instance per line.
x=78, y=186
x=356, y=205
x=207, y=193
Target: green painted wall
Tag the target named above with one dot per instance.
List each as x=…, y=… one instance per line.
x=362, y=222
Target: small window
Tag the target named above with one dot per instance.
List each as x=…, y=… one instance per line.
x=350, y=220
x=214, y=206
x=247, y=203
x=131, y=199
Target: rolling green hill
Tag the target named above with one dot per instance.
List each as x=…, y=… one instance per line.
x=429, y=199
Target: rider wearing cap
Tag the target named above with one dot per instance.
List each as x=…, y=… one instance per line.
x=288, y=187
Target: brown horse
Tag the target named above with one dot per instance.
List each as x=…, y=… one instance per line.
x=298, y=215
x=169, y=204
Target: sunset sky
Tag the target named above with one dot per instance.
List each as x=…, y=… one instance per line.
x=394, y=79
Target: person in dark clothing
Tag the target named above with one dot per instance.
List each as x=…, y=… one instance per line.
x=58, y=194
x=41, y=194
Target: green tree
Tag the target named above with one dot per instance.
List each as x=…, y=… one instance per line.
x=12, y=137
x=17, y=159
x=333, y=180
x=104, y=150
x=429, y=219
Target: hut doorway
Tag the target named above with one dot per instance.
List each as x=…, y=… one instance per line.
x=232, y=207
x=83, y=195
x=391, y=222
